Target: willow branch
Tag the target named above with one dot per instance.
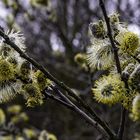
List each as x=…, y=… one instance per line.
x=59, y=83
x=81, y=113
x=116, y=57
x=50, y=96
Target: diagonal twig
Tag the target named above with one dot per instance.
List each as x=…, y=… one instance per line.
x=59, y=83
x=81, y=113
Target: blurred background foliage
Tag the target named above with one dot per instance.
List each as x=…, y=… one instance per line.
x=55, y=31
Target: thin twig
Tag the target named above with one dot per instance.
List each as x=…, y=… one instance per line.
x=116, y=57
x=50, y=96
x=83, y=114
x=59, y=83
x=115, y=49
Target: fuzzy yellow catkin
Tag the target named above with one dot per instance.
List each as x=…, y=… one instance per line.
x=6, y=71
x=12, y=61
x=100, y=56
x=129, y=42
x=80, y=58
x=51, y=137
x=30, y=133
x=25, y=71
x=114, y=18
x=97, y=29
x=42, y=81
x=35, y=96
x=109, y=90
x=15, y=109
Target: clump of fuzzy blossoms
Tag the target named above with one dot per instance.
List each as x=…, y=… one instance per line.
x=100, y=56
x=8, y=84
x=42, y=81
x=109, y=90
x=17, y=75
x=129, y=42
x=100, y=53
x=80, y=59
x=6, y=71
x=98, y=29
x=34, y=95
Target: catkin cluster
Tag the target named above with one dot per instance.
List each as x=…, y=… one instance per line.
x=110, y=89
x=17, y=76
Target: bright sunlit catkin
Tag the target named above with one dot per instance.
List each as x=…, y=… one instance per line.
x=129, y=42
x=100, y=56
x=6, y=71
x=8, y=84
x=109, y=89
x=18, y=38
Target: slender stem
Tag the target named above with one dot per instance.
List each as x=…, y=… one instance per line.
x=81, y=113
x=122, y=124
x=115, y=49
x=116, y=57
x=59, y=83
x=47, y=95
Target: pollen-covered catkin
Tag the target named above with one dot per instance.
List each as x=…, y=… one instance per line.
x=109, y=90
x=129, y=42
x=35, y=96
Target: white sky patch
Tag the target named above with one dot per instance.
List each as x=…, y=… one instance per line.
x=56, y=43
x=3, y=12
x=134, y=28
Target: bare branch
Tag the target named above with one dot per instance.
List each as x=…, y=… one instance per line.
x=81, y=113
